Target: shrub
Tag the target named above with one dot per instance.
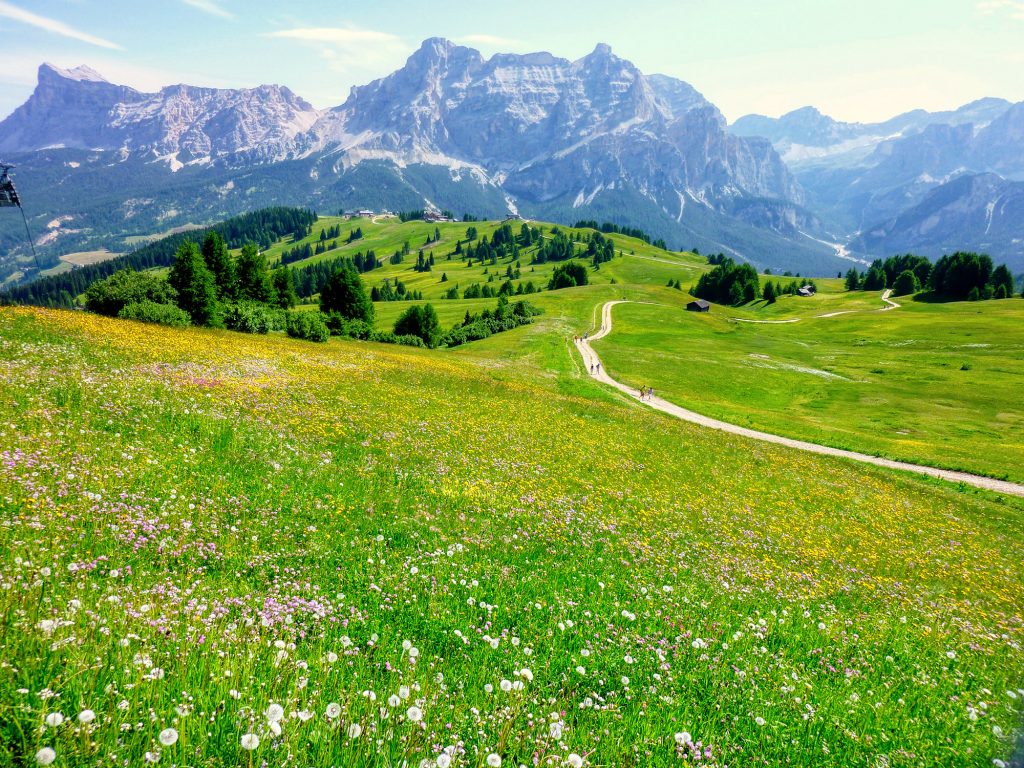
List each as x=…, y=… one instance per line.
x=153, y=312
x=340, y=325
x=906, y=283
x=389, y=337
x=249, y=317
x=110, y=296
x=421, y=322
x=307, y=325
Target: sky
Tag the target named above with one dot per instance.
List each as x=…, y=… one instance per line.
x=857, y=61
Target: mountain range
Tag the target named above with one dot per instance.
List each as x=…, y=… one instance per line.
x=99, y=164
x=924, y=182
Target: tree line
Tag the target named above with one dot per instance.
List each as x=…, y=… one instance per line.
x=267, y=225
x=957, y=276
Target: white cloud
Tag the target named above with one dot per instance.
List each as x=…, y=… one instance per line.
x=1015, y=8
x=52, y=25
x=210, y=7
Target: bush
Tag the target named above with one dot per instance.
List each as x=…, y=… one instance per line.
x=249, y=317
x=153, y=312
x=340, y=325
x=389, y=337
x=307, y=325
x=421, y=322
x=906, y=283
x=110, y=296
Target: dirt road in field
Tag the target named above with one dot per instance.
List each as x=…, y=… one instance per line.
x=592, y=361
x=889, y=304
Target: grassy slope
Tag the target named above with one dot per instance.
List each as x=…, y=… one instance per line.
x=180, y=501
x=890, y=383
x=389, y=235
x=921, y=408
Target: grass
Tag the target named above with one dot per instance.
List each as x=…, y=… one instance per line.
x=928, y=383
x=198, y=525
x=83, y=258
x=645, y=263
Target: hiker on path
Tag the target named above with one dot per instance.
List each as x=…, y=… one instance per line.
x=598, y=369
x=591, y=368
x=650, y=394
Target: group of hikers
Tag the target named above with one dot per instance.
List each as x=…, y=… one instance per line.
x=646, y=393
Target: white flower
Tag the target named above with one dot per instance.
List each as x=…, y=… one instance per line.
x=526, y=674
x=406, y=644
x=393, y=700
x=403, y=692
x=151, y=757
x=821, y=625
x=488, y=688
x=625, y=680
x=581, y=671
x=274, y=713
x=250, y=741
x=505, y=685
x=54, y=719
x=997, y=731
x=332, y=657
x=355, y=731
x=951, y=654
x=555, y=729
x=759, y=720
x=168, y=737
x=414, y=652
x=494, y=760
x=304, y=715
x=574, y=760
x=443, y=760
x=998, y=763
x=346, y=641
x=333, y=710
x=683, y=738
x=45, y=756
x=415, y=714
x=86, y=716
x=275, y=728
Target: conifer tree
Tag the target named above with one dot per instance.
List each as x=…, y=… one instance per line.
x=284, y=288
x=219, y=262
x=253, y=276
x=344, y=294
x=195, y=286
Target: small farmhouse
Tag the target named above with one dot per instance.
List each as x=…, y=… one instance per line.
x=698, y=306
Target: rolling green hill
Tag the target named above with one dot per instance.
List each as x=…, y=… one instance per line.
x=228, y=549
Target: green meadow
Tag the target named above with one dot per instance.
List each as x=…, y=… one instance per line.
x=933, y=384
x=223, y=549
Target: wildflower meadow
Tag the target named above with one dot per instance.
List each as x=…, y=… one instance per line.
x=221, y=550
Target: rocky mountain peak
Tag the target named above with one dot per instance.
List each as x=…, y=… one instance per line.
x=80, y=74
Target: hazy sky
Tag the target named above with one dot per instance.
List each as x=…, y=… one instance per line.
x=865, y=60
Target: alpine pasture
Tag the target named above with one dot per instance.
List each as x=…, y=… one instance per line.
x=221, y=549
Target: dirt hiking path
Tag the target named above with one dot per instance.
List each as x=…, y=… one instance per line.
x=590, y=358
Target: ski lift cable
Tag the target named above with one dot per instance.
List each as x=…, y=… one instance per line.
x=8, y=199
